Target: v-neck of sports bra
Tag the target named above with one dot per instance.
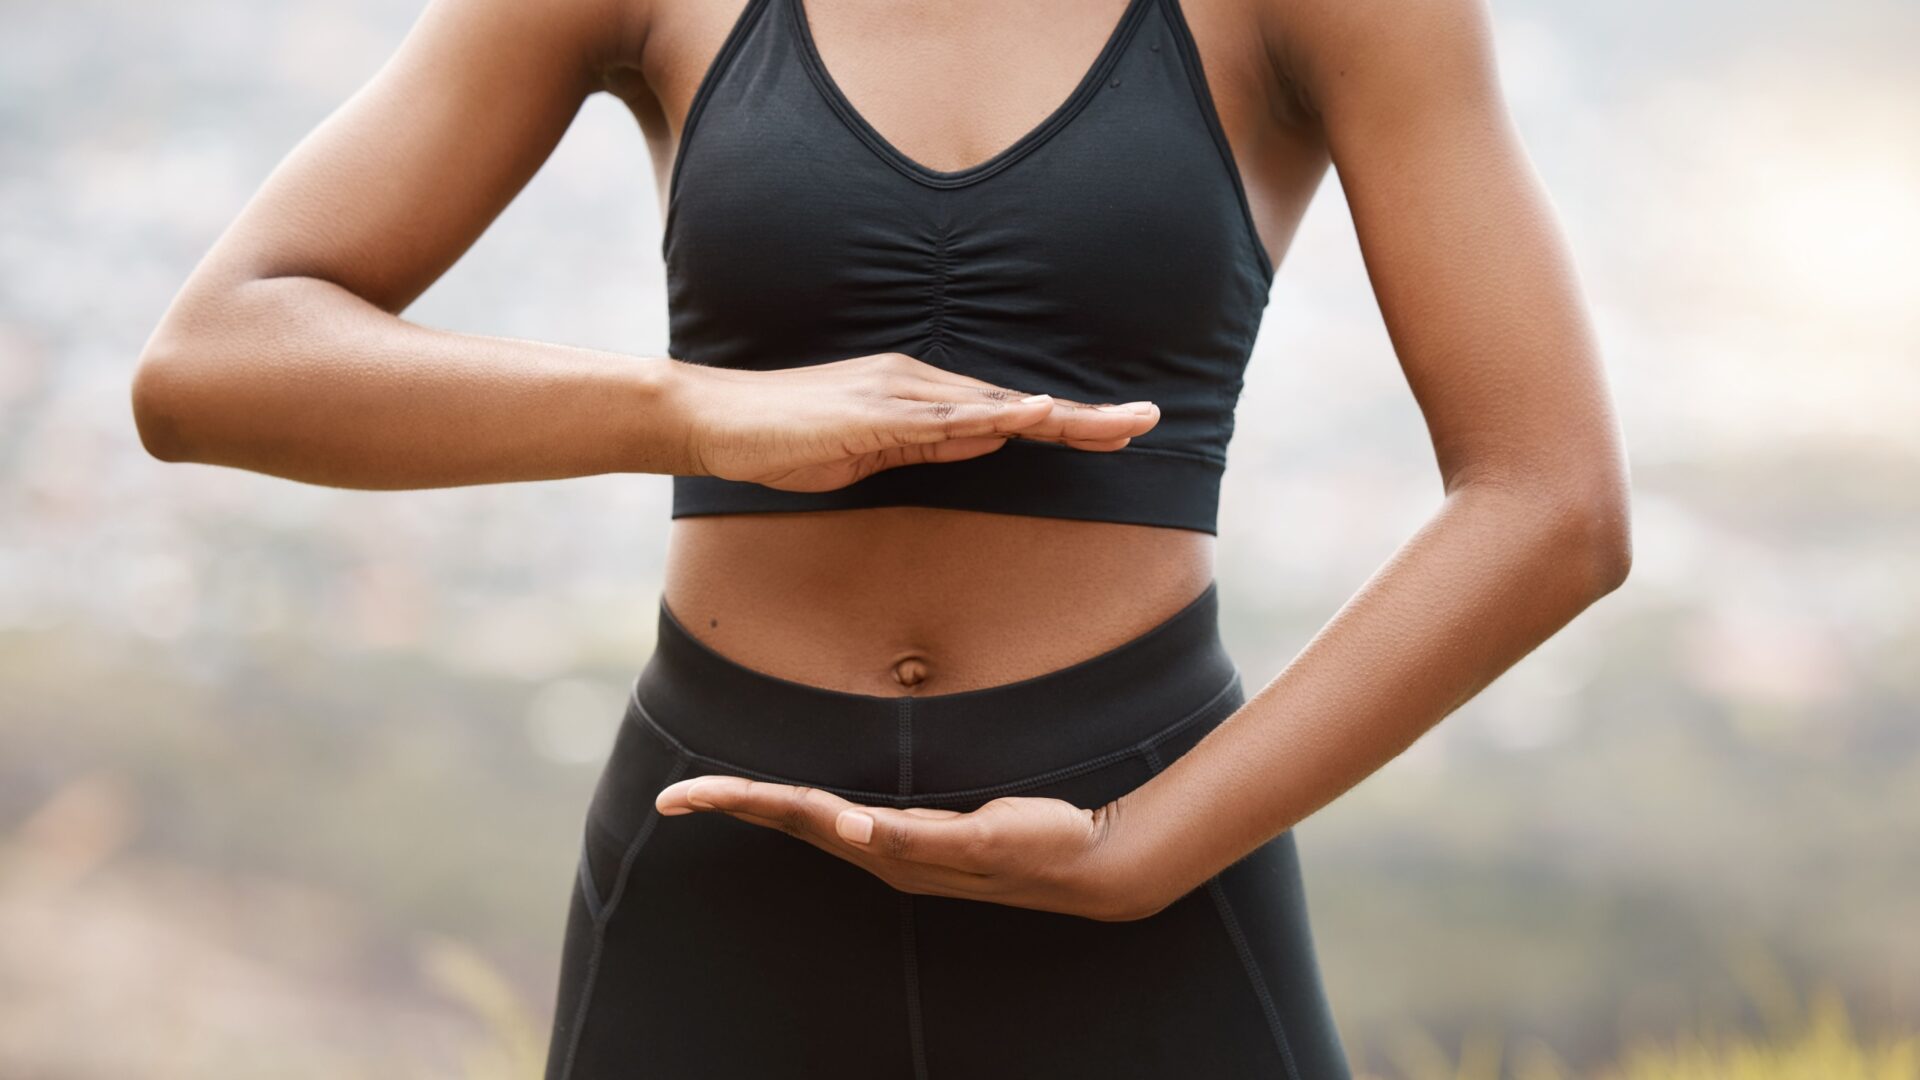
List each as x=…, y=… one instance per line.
x=1076, y=100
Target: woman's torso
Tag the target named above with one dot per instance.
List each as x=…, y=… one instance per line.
x=898, y=600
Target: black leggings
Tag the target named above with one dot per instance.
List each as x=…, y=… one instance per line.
x=705, y=946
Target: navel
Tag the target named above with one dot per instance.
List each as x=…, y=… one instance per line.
x=910, y=670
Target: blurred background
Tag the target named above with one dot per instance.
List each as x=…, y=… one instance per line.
x=291, y=778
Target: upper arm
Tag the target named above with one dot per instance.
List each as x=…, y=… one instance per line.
x=1479, y=293
x=387, y=192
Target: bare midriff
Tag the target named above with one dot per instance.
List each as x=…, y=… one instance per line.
x=914, y=600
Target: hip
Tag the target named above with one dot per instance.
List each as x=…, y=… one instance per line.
x=705, y=946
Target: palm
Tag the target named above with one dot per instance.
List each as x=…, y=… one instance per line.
x=1021, y=851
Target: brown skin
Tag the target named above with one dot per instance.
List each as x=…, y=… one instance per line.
x=286, y=353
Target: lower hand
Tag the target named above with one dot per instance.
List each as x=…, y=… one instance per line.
x=1045, y=854
x=825, y=426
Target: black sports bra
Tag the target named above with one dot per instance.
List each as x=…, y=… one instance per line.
x=1107, y=255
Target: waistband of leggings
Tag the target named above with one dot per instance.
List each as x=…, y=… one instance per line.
x=729, y=716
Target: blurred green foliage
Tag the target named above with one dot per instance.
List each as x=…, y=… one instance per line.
x=291, y=779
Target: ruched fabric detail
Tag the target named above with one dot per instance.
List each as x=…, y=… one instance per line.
x=1106, y=255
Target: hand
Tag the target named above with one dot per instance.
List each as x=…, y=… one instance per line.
x=1045, y=854
x=825, y=426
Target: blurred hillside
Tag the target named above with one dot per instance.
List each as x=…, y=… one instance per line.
x=295, y=774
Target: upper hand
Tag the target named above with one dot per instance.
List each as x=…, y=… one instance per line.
x=824, y=426
x=1045, y=854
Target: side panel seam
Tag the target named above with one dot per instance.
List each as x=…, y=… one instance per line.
x=680, y=766
x=1245, y=952
x=914, y=1028
x=589, y=889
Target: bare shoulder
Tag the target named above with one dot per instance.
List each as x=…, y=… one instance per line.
x=585, y=39
x=1362, y=56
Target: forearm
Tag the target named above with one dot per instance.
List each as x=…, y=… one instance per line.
x=1495, y=572
x=300, y=378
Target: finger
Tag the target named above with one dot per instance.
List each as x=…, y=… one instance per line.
x=832, y=845
x=988, y=391
x=932, y=420
x=801, y=812
x=908, y=876
x=809, y=814
x=929, y=879
x=1077, y=444
x=1069, y=424
x=962, y=842
x=1078, y=424
x=797, y=809
x=1068, y=420
x=920, y=453
x=931, y=413
x=938, y=384
x=915, y=453
x=826, y=820
x=834, y=825
x=966, y=390
x=672, y=799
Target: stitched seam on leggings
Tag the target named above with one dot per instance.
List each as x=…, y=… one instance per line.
x=680, y=767
x=904, y=712
x=1065, y=772
x=909, y=950
x=589, y=890
x=1245, y=952
x=1227, y=916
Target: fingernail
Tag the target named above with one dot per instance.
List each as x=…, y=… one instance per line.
x=1144, y=408
x=1035, y=397
x=854, y=825
x=693, y=796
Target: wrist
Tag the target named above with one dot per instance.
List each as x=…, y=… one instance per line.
x=1127, y=874
x=665, y=400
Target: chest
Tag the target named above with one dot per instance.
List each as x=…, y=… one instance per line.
x=1113, y=218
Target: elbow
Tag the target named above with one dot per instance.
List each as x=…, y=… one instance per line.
x=1596, y=534
x=182, y=374
x=197, y=390
x=177, y=386
x=160, y=389
x=1579, y=527
x=1609, y=545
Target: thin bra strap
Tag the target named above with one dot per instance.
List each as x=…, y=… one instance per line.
x=716, y=69
x=1203, y=94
